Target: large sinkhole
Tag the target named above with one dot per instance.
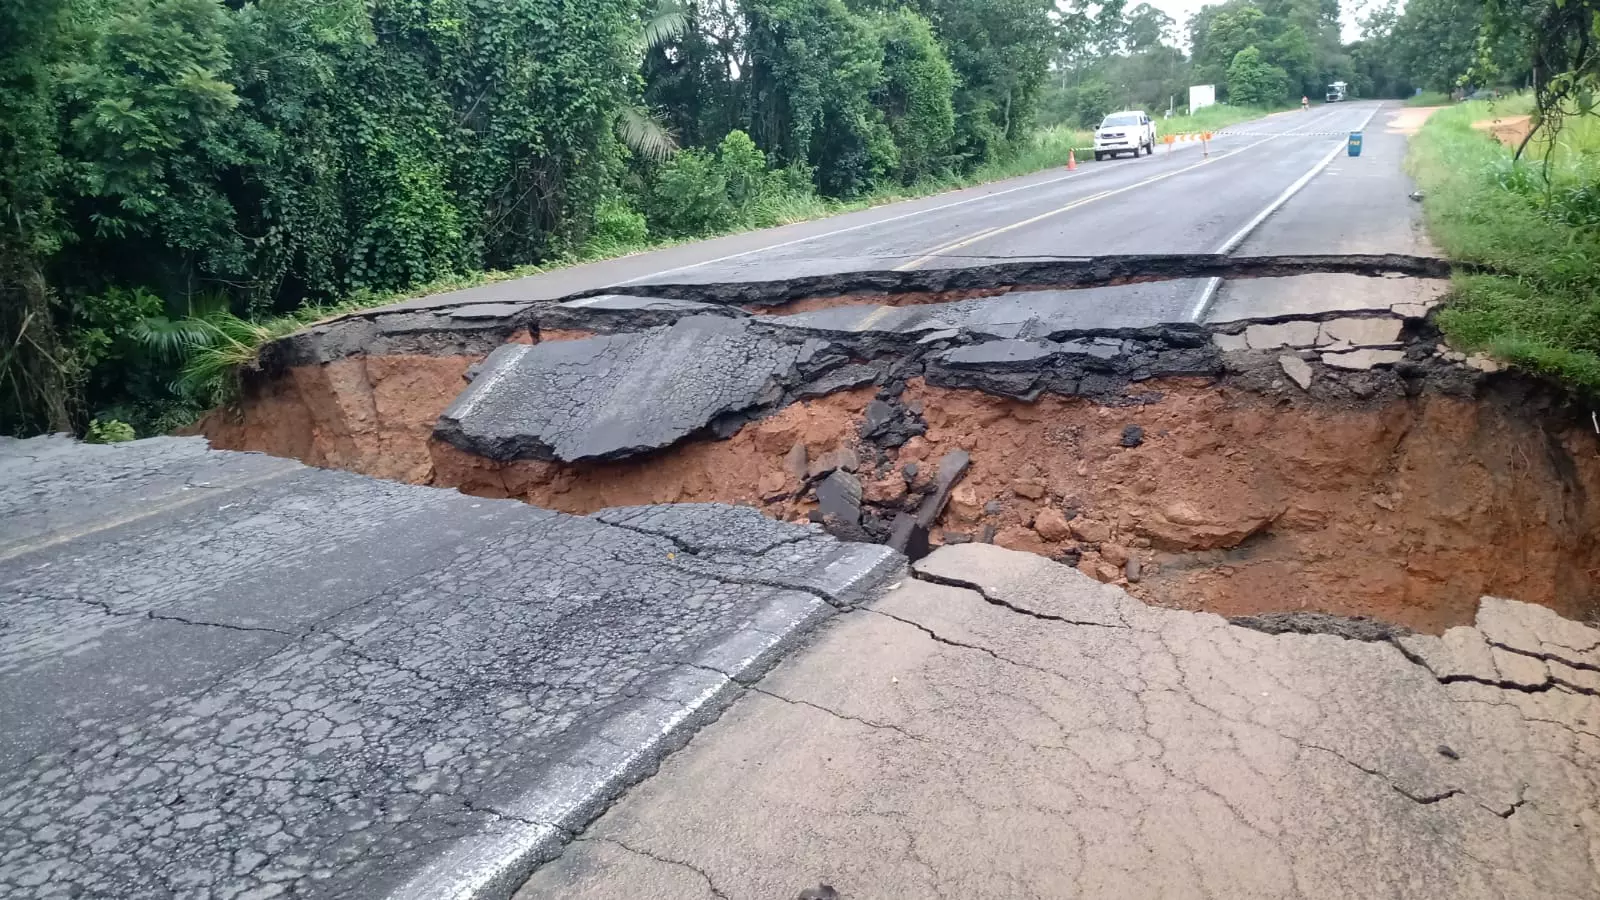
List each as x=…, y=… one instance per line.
x=1259, y=472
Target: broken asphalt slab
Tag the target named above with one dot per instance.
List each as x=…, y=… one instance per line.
x=478, y=319
x=611, y=396
x=1013, y=729
x=231, y=675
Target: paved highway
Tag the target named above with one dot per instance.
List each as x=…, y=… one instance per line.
x=1184, y=199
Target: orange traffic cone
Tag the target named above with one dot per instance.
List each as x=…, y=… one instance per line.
x=1072, y=159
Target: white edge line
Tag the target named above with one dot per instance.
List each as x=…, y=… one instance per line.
x=469, y=400
x=1239, y=236
x=1209, y=294
x=1083, y=201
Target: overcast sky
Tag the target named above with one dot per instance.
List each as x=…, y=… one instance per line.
x=1181, y=10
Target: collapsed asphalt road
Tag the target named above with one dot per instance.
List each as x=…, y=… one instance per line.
x=1211, y=384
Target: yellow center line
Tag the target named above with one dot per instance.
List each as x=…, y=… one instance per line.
x=153, y=508
x=991, y=232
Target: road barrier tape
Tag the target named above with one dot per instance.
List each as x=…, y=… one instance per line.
x=1179, y=137
x=1227, y=132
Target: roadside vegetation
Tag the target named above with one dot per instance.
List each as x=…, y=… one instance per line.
x=181, y=180
x=1533, y=221
x=1430, y=98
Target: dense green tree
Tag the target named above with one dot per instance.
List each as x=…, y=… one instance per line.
x=36, y=373
x=162, y=158
x=1253, y=81
x=916, y=95
x=1559, y=42
x=999, y=50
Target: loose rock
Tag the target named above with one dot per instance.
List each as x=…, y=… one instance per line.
x=839, y=498
x=1026, y=487
x=1052, y=525
x=1089, y=530
x=1363, y=359
x=772, y=483
x=951, y=468
x=795, y=462
x=1298, y=370
x=1132, y=436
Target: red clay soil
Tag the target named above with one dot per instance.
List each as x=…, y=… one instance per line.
x=1235, y=502
x=367, y=414
x=749, y=468
x=1238, y=504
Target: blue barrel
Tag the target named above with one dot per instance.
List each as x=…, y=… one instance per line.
x=1355, y=143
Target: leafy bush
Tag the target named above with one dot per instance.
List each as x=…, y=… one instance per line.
x=1429, y=98
x=1533, y=226
x=108, y=431
x=689, y=196
x=743, y=168
x=618, y=228
x=916, y=96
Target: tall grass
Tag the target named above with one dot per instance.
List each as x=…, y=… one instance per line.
x=1429, y=98
x=1533, y=223
x=1213, y=118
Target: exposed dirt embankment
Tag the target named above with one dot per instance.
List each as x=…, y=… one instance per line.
x=368, y=414
x=1219, y=497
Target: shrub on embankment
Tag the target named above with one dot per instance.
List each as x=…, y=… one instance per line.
x=1532, y=224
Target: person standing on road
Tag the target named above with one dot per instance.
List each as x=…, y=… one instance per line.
x=1305, y=102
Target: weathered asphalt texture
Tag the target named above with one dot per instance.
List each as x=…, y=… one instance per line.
x=227, y=675
x=1002, y=726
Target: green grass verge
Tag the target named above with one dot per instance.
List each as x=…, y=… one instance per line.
x=1429, y=98
x=1535, y=223
x=1214, y=118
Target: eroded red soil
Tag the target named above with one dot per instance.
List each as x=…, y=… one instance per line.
x=1234, y=502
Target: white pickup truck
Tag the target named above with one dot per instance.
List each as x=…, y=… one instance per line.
x=1128, y=131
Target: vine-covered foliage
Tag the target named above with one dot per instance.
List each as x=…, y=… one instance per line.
x=166, y=159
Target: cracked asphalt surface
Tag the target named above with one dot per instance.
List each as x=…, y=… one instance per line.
x=227, y=675
x=1003, y=726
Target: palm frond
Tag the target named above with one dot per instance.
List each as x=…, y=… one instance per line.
x=168, y=339
x=645, y=133
x=667, y=21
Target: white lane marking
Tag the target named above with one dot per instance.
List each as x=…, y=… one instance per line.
x=1202, y=304
x=919, y=212
x=468, y=401
x=991, y=232
x=1238, y=237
